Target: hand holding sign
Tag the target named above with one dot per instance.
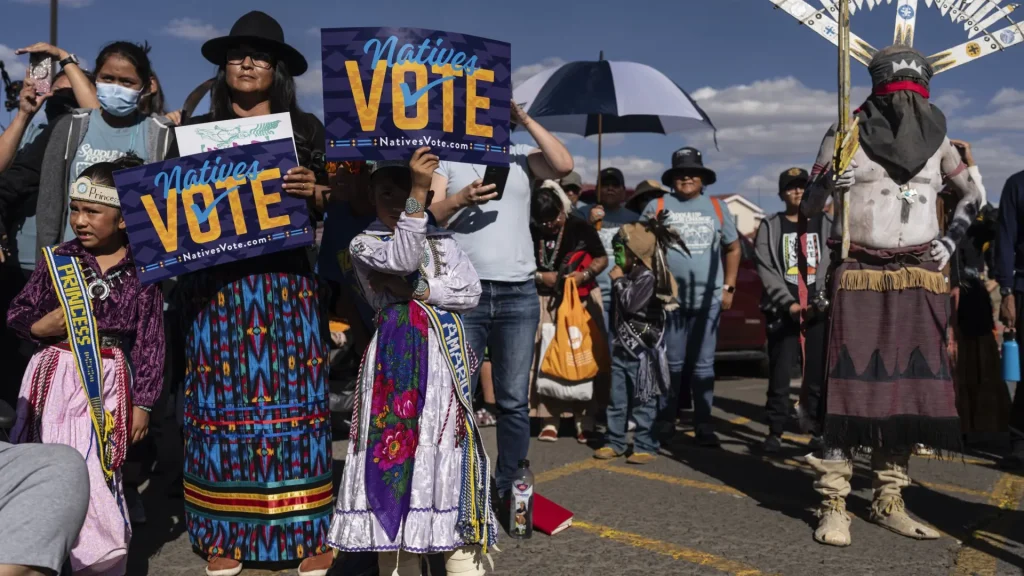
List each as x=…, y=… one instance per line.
x=215, y=207
x=423, y=165
x=300, y=181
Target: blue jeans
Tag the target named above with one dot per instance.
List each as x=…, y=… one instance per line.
x=505, y=322
x=691, y=337
x=624, y=372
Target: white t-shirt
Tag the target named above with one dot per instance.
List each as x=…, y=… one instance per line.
x=495, y=235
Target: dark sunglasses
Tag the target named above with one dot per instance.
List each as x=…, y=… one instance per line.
x=259, y=59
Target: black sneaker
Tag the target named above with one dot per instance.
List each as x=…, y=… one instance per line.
x=772, y=444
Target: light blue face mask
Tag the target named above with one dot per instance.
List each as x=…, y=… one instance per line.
x=117, y=99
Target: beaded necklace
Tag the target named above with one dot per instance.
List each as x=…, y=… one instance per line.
x=546, y=259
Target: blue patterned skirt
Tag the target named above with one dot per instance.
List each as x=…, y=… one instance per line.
x=258, y=484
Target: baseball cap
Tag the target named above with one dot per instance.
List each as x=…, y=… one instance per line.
x=572, y=179
x=612, y=174
x=793, y=176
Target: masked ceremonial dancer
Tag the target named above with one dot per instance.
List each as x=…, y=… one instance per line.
x=888, y=383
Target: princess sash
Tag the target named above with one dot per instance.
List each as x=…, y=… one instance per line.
x=84, y=340
x=474, y=502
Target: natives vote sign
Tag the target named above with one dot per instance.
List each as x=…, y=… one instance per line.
x=211, y=208
x=388, y=91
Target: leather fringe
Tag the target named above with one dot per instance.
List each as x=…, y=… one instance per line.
x=894, y=280
x=894, y=433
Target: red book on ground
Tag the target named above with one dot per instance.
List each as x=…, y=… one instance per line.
x=548, y=517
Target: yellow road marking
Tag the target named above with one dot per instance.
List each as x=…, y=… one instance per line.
x=740, y=421
x=970, y=561
x=666, y=549
x=569, y=469
x=686, y=482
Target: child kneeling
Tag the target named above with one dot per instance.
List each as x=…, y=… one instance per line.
x=643, y=290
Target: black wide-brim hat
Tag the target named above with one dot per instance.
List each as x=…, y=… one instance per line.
x=690, y=160
x=259, y=30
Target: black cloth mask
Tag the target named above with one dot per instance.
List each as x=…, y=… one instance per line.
x=901, y=130
x=61, y=102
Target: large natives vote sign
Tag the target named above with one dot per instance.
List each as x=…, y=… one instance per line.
x=388, y=91
x=212, y=208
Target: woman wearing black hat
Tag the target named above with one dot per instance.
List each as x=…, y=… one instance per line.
x=257, y=426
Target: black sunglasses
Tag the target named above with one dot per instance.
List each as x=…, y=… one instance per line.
x=259, y=59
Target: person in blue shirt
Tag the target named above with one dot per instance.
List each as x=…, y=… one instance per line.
x=706, y=287
x=608, y=216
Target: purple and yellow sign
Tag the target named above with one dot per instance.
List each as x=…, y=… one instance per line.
x=207, y=209
x=388, y=91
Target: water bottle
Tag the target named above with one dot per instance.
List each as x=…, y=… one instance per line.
x=1011, y=357
x=521, y=525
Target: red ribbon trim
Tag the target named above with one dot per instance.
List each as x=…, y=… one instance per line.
x=900, y=86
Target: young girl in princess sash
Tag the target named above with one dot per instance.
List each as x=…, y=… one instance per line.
x=100, y=338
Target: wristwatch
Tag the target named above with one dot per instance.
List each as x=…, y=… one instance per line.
x=729, y=289
x=1004, y=291
x=421, y=289
x=413, y=206
x=71, y=59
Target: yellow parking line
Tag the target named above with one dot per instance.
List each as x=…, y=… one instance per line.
x=970, y=561
x=569, y=469
x=686, y=482
x=953, y=488
x=666, y=549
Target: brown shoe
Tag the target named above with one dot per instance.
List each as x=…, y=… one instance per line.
x=318, y=565
x=606, y=453
x=641, y=458
x=219, y=566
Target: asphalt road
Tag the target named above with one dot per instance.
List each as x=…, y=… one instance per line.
x=700, y=511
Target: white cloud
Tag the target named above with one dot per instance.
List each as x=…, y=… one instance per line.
x=634, y=168
x=192, y=29
x=312, y=82
x=67, y=3
x=1008, y=118
x=1008, y=97
x=15, y=65
x=524, y=73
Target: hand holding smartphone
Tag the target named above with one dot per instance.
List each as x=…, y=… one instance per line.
x=40, y=69
x=497, y=175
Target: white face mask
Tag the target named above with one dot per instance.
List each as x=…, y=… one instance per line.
x=116, y=99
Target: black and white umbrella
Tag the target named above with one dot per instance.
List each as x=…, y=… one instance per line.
x=606, y=97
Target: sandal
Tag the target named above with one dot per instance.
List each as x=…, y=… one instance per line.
x=548, y=434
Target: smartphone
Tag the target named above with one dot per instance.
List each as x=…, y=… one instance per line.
x=497, y=175
x=41, y=70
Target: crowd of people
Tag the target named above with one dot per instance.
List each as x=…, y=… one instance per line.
x=410, y=252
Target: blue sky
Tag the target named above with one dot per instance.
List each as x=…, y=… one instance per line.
x=767, y=82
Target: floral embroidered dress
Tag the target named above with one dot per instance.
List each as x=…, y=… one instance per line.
x=406, y=472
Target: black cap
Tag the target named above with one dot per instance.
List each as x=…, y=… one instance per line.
x=789, y=178
x=260, y=30
x=524, y=463
x=612, y=174
x=690, y=159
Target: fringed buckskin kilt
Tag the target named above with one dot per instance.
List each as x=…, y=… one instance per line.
x=889, y=384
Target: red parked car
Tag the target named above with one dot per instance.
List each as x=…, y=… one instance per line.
x=741, y=332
